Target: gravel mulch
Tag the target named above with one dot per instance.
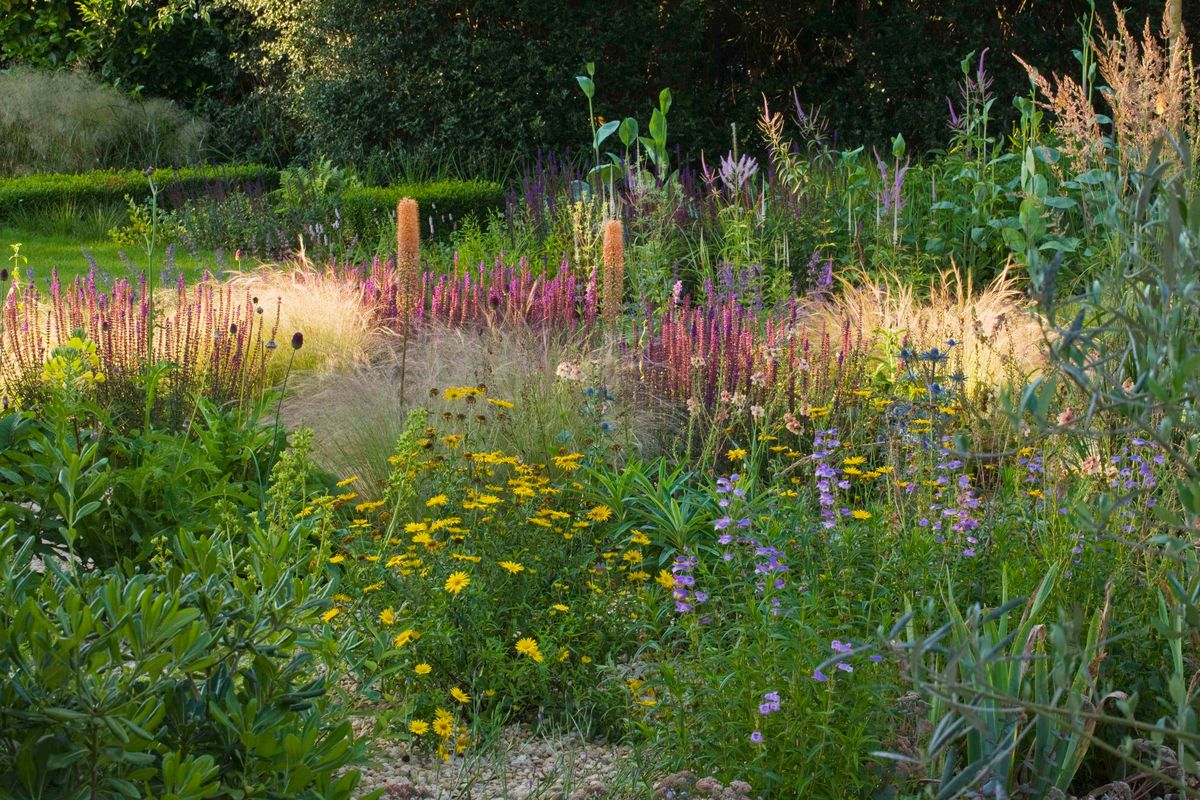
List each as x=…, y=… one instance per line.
x=518, y=766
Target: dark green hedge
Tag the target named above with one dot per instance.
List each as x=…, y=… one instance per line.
x=366, y=81
x=448, y=203
x=430, y=80
x=108, y=187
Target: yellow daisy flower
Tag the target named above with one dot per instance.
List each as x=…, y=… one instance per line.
x=456, y=582
x=529, y=647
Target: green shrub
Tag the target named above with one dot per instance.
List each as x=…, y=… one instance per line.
x=195, y=680
x=67, y=122
x=122, y=494
x=100, y=188
x=447, y=203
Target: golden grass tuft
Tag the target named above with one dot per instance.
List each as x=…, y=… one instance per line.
x=999, y=340
x=325, y=307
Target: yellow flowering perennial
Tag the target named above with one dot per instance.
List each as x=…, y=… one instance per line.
x=529, y=647
x=456, y=582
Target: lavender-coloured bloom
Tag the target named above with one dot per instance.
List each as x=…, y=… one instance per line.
x=819, y=676
x=756, y=737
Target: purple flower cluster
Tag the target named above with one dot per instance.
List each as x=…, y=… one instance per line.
x=687, y=596
x=954, y=501
x=825, y=444
x=965, y=515
x=770, y=703
x=841, y=648
x=1035, y=474
x=1135, y=475
x=730, y=493
x=771, y=566
x=820, y=276
x=891, y=192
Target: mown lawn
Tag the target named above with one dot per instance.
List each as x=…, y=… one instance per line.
x=44, y=252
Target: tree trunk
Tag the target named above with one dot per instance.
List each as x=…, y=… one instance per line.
x=1174, y=12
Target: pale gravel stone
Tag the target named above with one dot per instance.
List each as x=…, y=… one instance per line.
x=522, y=766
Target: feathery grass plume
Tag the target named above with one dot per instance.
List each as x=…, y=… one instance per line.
x=1150, y=86
x=996, y=338
x=614, y=271
x=1082, y=140
x=326, y=305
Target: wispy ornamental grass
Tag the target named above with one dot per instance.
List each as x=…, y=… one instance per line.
x=567, y=393
x=216, y=338
x=995, y=336
x=326, y=306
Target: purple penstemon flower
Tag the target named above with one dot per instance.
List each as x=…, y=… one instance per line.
x=824, y=444
x=770, y=703
x=686, y=597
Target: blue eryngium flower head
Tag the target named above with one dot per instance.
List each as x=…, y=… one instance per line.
x=607, y=426
x=563, y=436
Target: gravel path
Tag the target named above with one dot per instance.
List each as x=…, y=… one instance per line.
x=519, y=766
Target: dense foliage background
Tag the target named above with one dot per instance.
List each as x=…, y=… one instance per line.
x=382, y=81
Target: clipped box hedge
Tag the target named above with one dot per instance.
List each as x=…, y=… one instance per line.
x=109, y=187
x=369, y=211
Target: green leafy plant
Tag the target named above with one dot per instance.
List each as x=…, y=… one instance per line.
x=981, y=670
x=195, y=680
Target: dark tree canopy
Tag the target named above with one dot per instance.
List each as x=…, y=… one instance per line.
x=362, y=79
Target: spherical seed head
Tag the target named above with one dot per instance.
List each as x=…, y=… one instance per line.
x=297, y=340
x=3, y=275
